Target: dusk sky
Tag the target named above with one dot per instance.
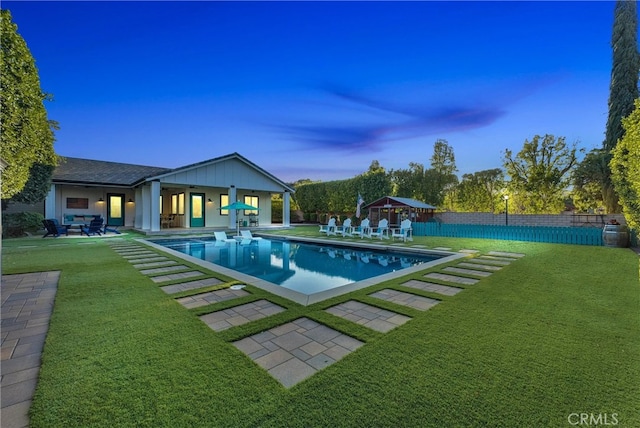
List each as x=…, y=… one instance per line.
x=318, y=89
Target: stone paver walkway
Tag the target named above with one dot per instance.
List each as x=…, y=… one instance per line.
x=216, y=296
x=175, y=276
x=451, y=278
x=453, y=269
x=238, y=315
x=191, y=285
x=296, y=350
x=405, y=299
x=369, y=316
x=27, y=303
x=430, y=286
x=480, y=266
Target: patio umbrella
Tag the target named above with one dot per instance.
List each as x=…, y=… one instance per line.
x=238, y=206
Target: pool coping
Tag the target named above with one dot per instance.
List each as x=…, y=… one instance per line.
x=310, y=299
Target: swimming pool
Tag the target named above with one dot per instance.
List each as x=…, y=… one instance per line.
x=305, y=272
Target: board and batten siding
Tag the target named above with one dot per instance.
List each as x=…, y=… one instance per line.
x=224, y=174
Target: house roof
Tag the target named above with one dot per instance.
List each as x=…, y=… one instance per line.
x=95, y=172
x=396, y=201
x=219, y=159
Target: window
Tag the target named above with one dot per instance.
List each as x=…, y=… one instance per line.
x=79, y=203
x=253, y=201
x=174, y=204
x=177, y=203
x=224, y=201
x=181, y=203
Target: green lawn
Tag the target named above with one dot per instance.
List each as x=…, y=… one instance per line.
x=555, y=333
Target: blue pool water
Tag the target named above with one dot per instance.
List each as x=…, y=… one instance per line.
x=303, y=267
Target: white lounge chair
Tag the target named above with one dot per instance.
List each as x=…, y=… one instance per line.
x=404, y=232
x=345, y=229
x=382, y=231
x=329, y=228
x=363, y=230
x=222, y=237
x=246, y=234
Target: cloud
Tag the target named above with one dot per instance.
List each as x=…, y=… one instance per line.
x=388, y=121
x=348, y=138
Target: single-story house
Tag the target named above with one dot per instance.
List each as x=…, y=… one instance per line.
x=396, y=209
x=150, y=199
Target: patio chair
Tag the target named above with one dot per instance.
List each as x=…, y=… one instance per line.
x=382, y=231
x=345, y=229
x=54, y=228
x=222, y=237
x=404, y=232
x=110, y=228
x=246, y=234
x=253, y=220
x=329, y=228
x=363, y=230
x=94, y=228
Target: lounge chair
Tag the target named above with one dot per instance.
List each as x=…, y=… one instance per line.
x=382, y=231
x=363, y=230
x=222, y=237
x=404, y=232
x=246, y=234
x=94, y=228
x=54, y=228
x=329, y=228
x=345, y=229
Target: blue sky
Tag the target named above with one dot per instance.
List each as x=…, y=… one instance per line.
x=318, y=89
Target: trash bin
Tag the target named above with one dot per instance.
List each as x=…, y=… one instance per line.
x=244, y=223
x=615, y=235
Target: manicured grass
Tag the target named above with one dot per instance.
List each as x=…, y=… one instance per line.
x=554, y=333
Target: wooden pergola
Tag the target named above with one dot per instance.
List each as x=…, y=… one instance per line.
x=396, y=209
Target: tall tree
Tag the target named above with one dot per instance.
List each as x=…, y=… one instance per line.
x=625, y=168
x=540, y=174
x=441, y=178
x=623, y=89
x=589, y=180
x=480, y=191
x=26, y=135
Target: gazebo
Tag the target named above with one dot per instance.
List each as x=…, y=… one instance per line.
x=396, y=209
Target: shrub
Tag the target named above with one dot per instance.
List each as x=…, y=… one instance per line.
x=17, y=224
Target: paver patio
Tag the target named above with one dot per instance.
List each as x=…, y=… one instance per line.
x=296, y=350
x=27, y=304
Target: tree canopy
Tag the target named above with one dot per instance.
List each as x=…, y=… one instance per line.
x=625, y=168
x=623, y=89
x=26, y=135
x=540, y=174
x=481, y=191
